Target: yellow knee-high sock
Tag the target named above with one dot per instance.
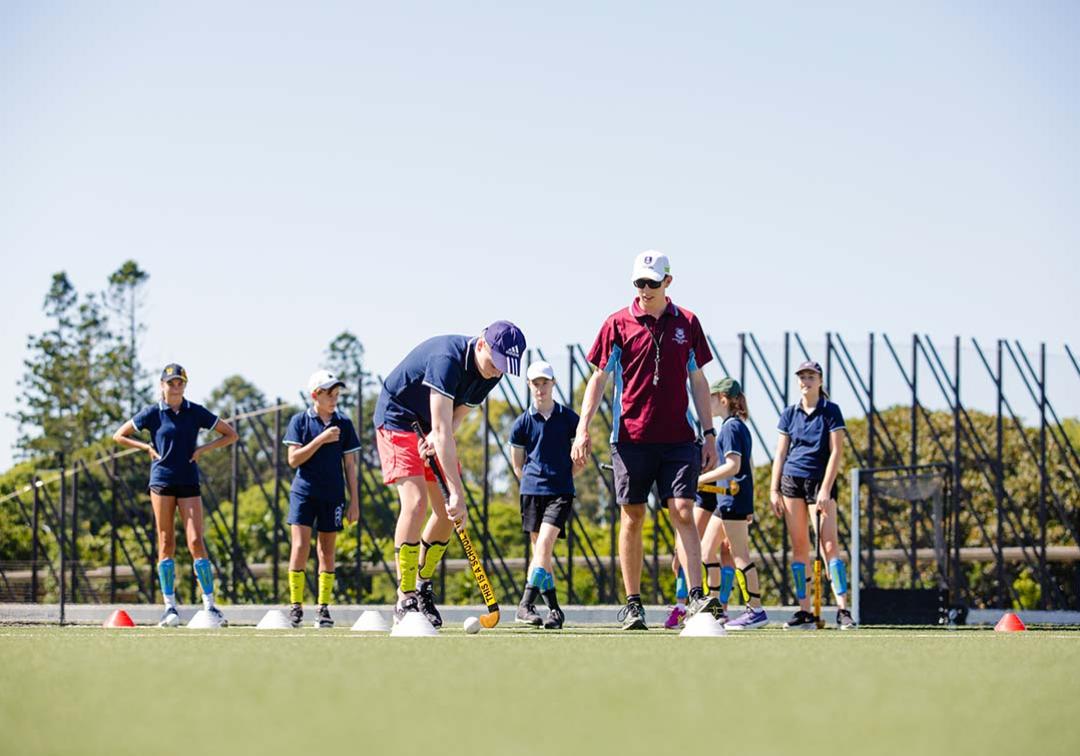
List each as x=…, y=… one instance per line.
x=326, y=587
x=433, y=554
x=296, y=586
x=408, y=559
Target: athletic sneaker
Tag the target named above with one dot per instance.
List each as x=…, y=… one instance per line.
x=218, y=616
x=710, y=604
x=749, y=620
x=426, y=599
x=404, y=606
x=527, y=615
x=323, y=620
x=555, y=619
x=801, y=621
x=632, y=617
x=296, y=615
x=171, y=617
x=675, y=619
x=844, y=620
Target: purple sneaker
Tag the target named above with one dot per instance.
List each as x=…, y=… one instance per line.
x=675, y=619
x=748, y=620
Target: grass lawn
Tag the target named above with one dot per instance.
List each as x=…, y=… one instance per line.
x=516, y=691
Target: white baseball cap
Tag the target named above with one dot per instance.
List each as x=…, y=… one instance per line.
x=540, y=369
x=652, y=265
x=323, y=379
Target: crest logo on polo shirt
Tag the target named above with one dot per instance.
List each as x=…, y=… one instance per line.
x=680, y=336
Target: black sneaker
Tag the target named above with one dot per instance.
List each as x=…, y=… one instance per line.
x=426, y=598
x=296, y=615
x=844, y=620
x=527, y=615
x=555, y=619
x=632, y=617
x=322, y=617
x=404, y=606
x=710, y=604
x=801, y=621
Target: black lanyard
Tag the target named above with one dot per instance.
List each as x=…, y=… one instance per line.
x=656, y=343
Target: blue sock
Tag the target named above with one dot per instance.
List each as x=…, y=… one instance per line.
x=205, y=574
x=798, y=572
x=166, y=570
x=727, y=581
x=839, y=576
x=549, y=582
x=680, y=586
x=536, y=577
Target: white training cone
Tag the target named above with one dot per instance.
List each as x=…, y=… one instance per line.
x=274, y=619
x=204, y=620
x=702, y=625
x=414, y=625
x=371, y=622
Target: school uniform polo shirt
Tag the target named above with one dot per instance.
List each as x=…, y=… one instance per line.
x=548, y=469
x=808, y=454
x=734, y=438
x=174, y=436
x=321, y=477
x=626, y=347
x=446, y=364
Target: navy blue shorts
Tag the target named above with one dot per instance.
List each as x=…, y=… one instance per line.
x=179, y=491
x=321, y=515
x=793, y=487
x=553, y=510
x=706, y=500
x=732, y=510
x=672, y=468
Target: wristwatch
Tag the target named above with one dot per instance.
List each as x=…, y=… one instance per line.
x=709, y=432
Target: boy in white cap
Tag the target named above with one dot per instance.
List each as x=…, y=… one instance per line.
x=320, y=440
x=540, y=443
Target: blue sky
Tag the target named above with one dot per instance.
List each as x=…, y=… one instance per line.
x=405, y=169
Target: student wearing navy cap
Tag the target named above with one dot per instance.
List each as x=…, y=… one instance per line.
x=804, y=474
x=540, y=442
x=436, y=385
x=730, y=522
x=321, y=441
x=174, y=424
x=652, y=348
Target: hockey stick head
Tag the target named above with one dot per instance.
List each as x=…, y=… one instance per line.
x=489, y=620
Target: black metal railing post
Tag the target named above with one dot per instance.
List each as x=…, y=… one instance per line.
x=112, y=530
x=60, y=534
x=75, y=533
x=999, y=483
x=234, y=494
x=275, y=539
x=1043, y=479
x=35, y=544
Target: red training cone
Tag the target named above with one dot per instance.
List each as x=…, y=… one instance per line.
x=1009, y=623
x=119, y=618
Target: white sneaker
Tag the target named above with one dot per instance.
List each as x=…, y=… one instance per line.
x=171, y=617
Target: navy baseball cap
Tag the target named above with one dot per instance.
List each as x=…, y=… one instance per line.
x=172, y=370
x=810, y=365
x=507, y=344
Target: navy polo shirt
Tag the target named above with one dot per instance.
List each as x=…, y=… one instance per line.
x=808, y=453
x=174, y=436
x=734, y=438
x=321, y=477
x=446, y=364
x=548, y=469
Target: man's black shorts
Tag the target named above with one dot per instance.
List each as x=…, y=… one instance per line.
x=672, y=468
x=180, y=492
x=554, y=510
x=803, y=488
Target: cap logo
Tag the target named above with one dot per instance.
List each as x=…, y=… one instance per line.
x=513, y=351
x=648, y=260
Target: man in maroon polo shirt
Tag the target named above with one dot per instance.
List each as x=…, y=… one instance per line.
x=651, y=348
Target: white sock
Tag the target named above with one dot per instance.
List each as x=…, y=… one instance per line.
x=170, y=600
x=208, y=601
x=680, y=603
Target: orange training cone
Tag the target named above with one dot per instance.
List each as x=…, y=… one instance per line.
x=1009, y=623
x=119, y=618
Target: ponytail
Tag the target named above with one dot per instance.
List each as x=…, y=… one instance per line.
x=824, y=393
x=737, y=406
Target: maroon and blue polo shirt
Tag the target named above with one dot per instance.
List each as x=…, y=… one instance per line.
x=626, y=348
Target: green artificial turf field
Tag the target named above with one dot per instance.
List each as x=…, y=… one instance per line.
x=516, y=691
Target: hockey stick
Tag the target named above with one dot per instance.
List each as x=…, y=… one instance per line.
x=818, y=565
x=491, y=619
x=708, y=488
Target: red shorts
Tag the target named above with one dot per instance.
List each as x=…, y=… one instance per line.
x=399, y=456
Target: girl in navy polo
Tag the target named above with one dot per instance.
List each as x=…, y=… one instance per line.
x=804, y=475
x=174, y=424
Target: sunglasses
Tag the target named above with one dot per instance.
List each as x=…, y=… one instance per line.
x=642, y=283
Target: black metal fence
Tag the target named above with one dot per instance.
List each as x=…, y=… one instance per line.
x=86, y=531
